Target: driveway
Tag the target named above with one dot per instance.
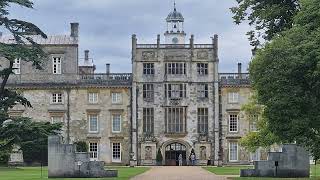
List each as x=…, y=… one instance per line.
x=177, y=173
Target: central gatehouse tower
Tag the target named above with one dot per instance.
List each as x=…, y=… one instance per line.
x=175, y=97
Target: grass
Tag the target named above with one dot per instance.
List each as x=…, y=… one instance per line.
x=227, y=170
x=235, y=170
x=34, y=173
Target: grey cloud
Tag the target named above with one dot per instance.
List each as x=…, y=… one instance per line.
x=106, y=26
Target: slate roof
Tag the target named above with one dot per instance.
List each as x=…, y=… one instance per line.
x=51, y=40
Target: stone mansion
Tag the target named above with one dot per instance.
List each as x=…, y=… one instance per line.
x=174, y=100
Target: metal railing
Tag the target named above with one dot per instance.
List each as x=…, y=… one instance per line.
x=234, y=78
x=107, y=77
x=178, y=46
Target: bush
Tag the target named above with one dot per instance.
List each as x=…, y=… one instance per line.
x=159, y=156
x=35, y=153
x=81, y=146
x=4, y=158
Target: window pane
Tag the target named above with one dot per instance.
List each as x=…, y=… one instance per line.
x=93, y=97
x=57, y=98
x=148, y=68
x=233, y=151
x=56, y=119
x=93, y=123
x=116, y=152
x=116, y=123
x=148, y=120
x=203, y=120
x=175, y=68
x=56, y=65
x=175, y=119
x=233, y=122
x=202, y=68
x=93, y=150
x=233, y=97
x=116, y=97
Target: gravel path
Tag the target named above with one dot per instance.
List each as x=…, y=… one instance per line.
x=178, y=173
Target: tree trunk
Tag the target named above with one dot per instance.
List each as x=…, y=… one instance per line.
x=5, y=80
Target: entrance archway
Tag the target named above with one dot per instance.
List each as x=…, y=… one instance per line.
x=172, y=152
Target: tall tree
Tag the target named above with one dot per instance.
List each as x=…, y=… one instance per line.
x=23, y=48
x=267, y=17
x=286, y=76
x=13, y=130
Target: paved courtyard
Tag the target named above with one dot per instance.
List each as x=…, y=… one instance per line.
x=177, y=173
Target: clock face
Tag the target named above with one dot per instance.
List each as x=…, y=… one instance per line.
x=175, y=40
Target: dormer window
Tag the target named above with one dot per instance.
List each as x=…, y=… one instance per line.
x=56, y=64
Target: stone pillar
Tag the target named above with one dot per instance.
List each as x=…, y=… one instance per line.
x=215, y=46
x=192, y=41
x=134, y=136
x=158, y=41
x=239, y=70
x=216, y=102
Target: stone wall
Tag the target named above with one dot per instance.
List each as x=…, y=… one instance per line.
x=63, y=162
x=292, y=162
x=227, y=108
x=43, y=110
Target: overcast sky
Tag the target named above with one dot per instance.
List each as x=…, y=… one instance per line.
x=106, y=26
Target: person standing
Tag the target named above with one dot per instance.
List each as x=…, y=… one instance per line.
x=193, y=159
x=180, y=159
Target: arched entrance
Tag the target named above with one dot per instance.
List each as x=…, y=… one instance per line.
x=172, y=152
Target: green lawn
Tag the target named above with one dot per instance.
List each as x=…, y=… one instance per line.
x=227, y=170
x=34, y=173
x=235, y=170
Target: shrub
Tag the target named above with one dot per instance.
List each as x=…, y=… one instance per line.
x=81, y=146
x=159, y=156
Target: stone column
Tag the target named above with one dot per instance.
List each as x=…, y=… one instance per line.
x=216, y=101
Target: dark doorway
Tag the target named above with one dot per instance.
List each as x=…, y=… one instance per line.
x=172, y=154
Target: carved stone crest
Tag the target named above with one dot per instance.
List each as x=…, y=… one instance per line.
x=147, y=138
x=203, y=137
x=176, y=57
x=148, y=55
x=175, y=102
x=202, y=54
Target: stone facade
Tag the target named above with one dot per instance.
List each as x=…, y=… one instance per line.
x=178, y=84
x=72, y=98
x=160, y=58
x=235, y=91
x=175, y=100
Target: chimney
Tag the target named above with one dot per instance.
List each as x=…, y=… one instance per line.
x=239, y=68
x=74, y=30
x=108, y=68
x=86, y=55
x=192, y=40
x=216, y=46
